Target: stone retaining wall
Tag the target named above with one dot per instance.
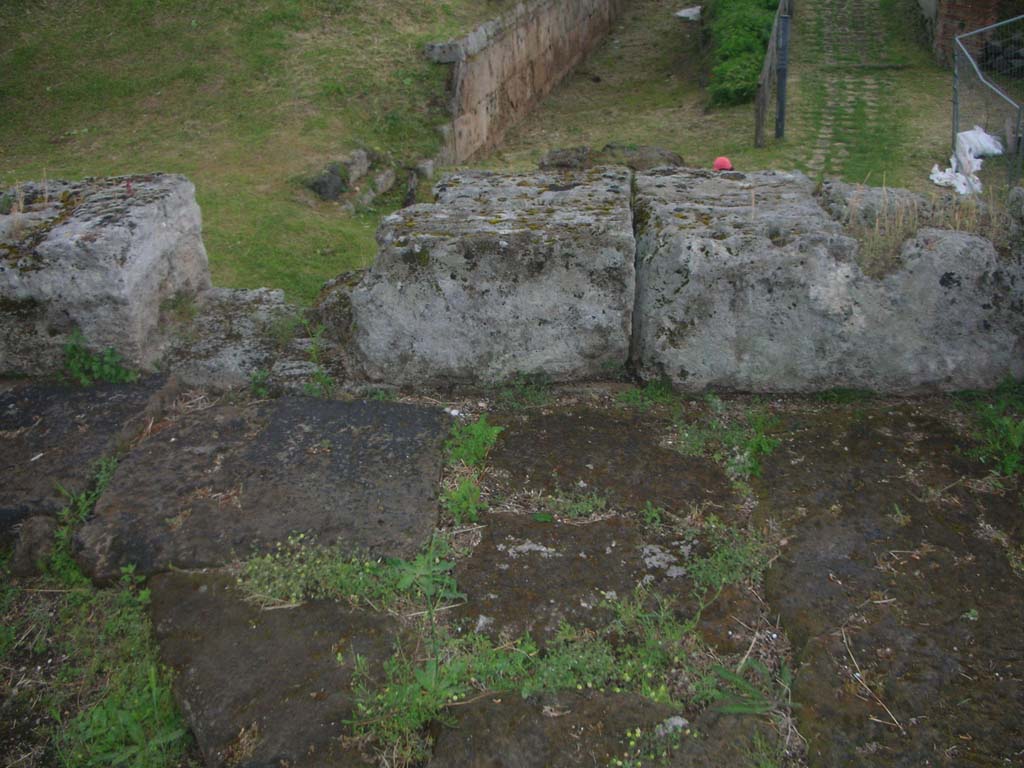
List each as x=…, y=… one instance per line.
x=504, y=67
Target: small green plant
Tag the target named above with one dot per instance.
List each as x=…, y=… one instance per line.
x=738, y=443
x=761, y=693
x=381, y=395
x=525, y=391
x=86, y=368
x=258, y=383
x=298, y=570
x=1000, y=430
x=76, y=511
x=898, y=516
x=320, y=383
x=733, y=555
x=463, y=501
x=470, y=443
x=651, y=747
x=575, y=504
x=652, y=393
x=652, y=515
x=970, y=615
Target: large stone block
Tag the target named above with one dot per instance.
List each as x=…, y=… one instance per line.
x=100, y=255
x=505, y=274
x=744, y=282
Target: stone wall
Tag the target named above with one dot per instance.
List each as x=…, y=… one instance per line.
x=505, y=66
x=731, y=281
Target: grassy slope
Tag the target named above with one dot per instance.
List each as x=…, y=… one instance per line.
x=245, y=97
x=649, y=93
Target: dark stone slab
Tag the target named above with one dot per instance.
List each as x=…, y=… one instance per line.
x=570, y=730
x=263, y=688
x=52, y=435
x=614, y=454
x=922, y=605
x=229, y=481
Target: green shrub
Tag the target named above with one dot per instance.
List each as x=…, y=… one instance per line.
x=740, y=30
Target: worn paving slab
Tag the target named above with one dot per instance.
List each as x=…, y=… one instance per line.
x=228, y=481
x=617, y=454
x=569, y=730
x=263, y=688
x=920, y=602
x=51, y=434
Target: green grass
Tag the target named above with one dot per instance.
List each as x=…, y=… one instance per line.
x=463, y=501
x=246, y=98
x=657, y=392
x=999, y=427
x=99, y=696
x=650, y=93
x=575, y=504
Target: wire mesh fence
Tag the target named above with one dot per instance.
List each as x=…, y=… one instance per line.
x=770, y=99
x=988, y=93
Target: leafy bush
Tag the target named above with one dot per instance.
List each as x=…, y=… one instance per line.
x=740, y=30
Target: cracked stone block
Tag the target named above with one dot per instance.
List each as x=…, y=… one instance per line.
x=504, y=274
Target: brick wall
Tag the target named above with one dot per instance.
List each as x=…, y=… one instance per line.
x=954, y=17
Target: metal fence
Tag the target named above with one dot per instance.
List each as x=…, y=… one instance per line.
x=988, y=92
x=770, y=100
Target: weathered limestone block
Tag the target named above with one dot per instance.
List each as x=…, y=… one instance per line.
x=744, y=282
x=505, y=274
x=225, y=482
x=100, y=255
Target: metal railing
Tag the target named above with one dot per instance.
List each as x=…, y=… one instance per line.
x=988, y=92
x=774, y=74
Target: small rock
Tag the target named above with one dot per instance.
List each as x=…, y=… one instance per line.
x=35, y=545
x=330, y=182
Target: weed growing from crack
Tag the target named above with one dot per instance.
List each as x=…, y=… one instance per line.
x=463, y=501
x=658, y=392
x=470, y=443
x=78, y=507
x=86, y=368
x=575, y=505
x=525, y=391
x=738, y=443
x=258, y=383
x=320, y=384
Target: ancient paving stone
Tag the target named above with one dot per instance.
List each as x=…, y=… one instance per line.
x=505, y=274
x=100, y=255
x=569, y=730
x=52, y=435
x=616, y=455
x=224, y=482
x=234, y=334
x=894, y=571
x=529, y=576
x=263, y=688
x=744, y=282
